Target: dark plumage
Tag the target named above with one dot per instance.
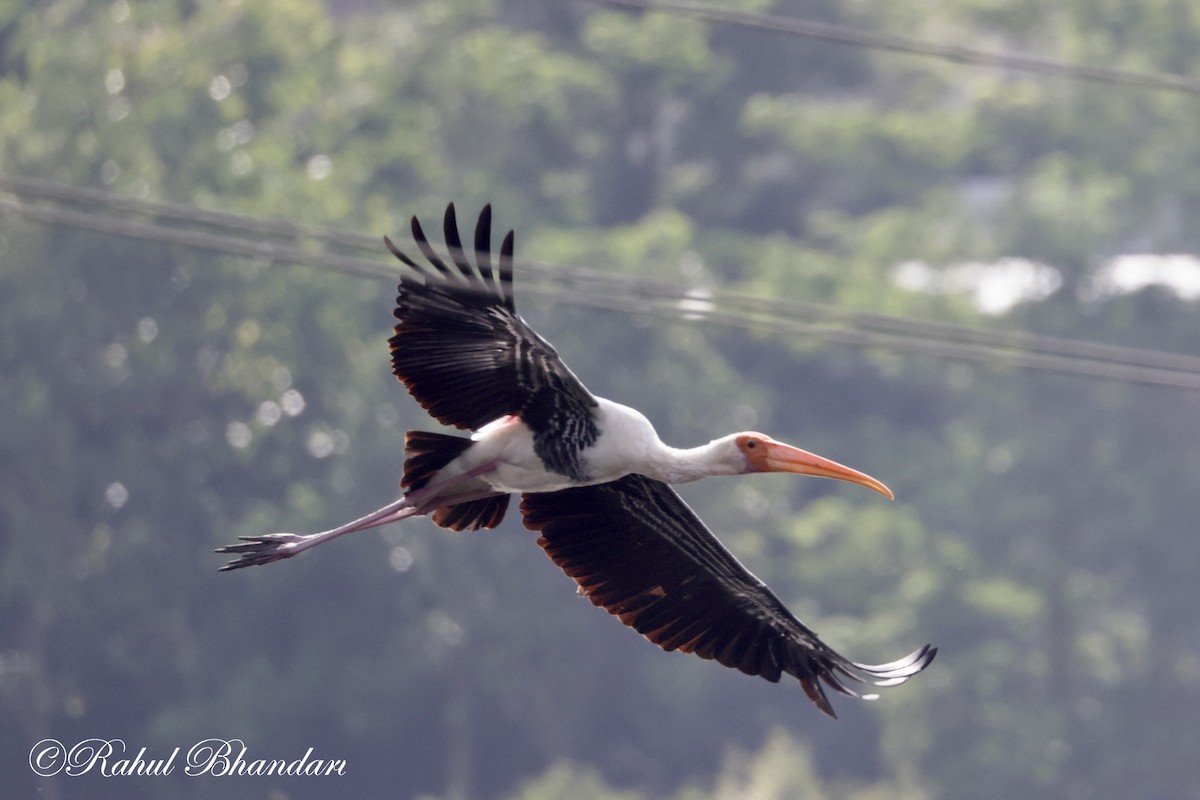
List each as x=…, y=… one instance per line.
x=592, y=473
x=467, y=357
x=638, y=551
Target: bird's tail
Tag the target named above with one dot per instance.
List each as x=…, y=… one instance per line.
x=425, y=454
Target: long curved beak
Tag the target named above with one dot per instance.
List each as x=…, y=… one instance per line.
x=781, y=457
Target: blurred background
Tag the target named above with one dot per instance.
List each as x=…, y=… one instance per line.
x=975, y=282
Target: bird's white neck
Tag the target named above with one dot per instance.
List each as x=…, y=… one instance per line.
x=628, y=443
x=674, y=465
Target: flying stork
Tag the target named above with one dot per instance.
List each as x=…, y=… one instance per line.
x=592, y=474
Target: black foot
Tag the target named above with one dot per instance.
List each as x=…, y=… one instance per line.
x=262, y=549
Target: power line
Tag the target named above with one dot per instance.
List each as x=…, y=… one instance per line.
x=842, y=34
x=78, y=195
x=203, y=240
x=311, y=246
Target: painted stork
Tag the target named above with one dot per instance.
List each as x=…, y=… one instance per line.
x=593, y=477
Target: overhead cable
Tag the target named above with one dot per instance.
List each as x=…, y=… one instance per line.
x=847, y=35
x=282, y=242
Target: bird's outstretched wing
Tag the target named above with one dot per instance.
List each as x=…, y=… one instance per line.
x=468, y=358
x=637, y=550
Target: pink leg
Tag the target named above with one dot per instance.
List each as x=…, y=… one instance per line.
x=277, y=546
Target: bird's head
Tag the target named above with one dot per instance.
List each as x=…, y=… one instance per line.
x=763, y=454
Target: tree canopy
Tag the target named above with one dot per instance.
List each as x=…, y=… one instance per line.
x=163, y=397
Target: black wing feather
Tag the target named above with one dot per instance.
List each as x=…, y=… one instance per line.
x=468, y=358
x=483, y=247
x=638, y=551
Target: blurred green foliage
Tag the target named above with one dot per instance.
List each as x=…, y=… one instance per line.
x=161, y=401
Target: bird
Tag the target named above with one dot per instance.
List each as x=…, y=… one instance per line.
x=593, y=476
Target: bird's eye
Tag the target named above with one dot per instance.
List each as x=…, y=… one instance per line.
x=751, y=444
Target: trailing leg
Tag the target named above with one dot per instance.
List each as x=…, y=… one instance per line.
x=269, y=547
x=458, y=502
